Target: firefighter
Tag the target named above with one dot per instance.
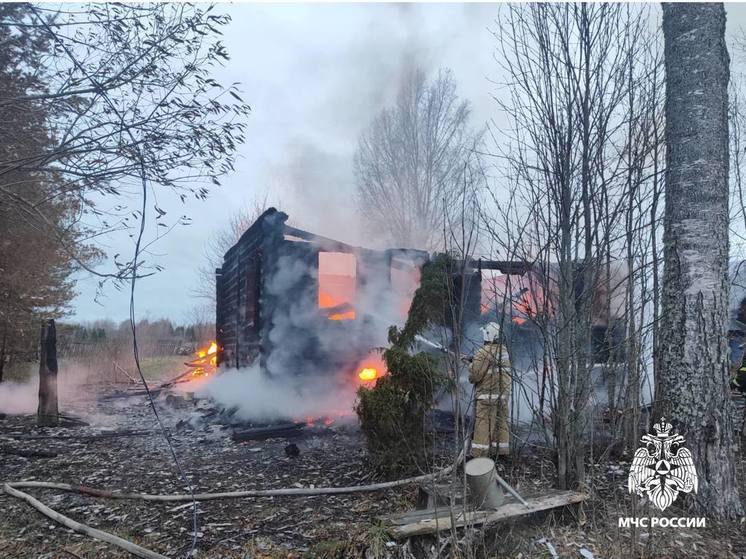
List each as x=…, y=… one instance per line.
x=737, y=344
x=490, y=375
x=738, y=379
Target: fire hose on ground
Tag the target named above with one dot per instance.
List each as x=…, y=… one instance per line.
x=13, y=489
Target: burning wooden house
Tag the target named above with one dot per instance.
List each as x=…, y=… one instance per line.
x=299, y=303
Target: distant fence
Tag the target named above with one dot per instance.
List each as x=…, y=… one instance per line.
x=146, y=348
x=105, y=360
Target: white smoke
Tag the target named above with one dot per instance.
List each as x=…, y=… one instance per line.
x=312, y=368
x=18, y=398
x=259, y=397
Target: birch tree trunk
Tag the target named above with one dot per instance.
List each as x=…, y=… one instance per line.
x=693, y=349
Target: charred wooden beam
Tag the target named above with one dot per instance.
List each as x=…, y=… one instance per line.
x=445, y=520
x=281, y=431
x=26, y=453
x=328, y=244
x=508, y=267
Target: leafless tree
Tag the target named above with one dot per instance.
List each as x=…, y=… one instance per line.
x=580, y=156
x=219, y=243
x=102, y=105
x=693, y=352
x=409, y=162
x=128, y=97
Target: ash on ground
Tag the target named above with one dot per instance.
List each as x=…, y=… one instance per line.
x=131, y=454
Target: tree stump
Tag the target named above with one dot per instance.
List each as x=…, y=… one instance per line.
x=47, y=413
x=481, y=478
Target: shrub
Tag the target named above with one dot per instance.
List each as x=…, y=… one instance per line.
x=392, y=413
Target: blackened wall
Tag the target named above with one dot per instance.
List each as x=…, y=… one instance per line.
x=267, y=302
x=238, y=313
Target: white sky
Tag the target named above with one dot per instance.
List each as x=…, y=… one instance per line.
x=315, y=76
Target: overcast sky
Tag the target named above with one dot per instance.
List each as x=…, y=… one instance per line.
x=315, y=76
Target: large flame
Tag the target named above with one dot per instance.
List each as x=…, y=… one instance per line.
x=368, y=374
x=337, y=308
x=206, y=361
x=371, y=368
x=211, y=350
x=337, y=277
x=350, y=315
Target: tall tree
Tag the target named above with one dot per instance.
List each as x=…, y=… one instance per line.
x=693, y=350
x=102, y=105
x=217, y=245
x=580, y=105
x=35, y=264
x=410, y=163
x=131, y=106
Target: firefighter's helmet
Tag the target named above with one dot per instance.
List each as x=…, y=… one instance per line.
x=491, y=332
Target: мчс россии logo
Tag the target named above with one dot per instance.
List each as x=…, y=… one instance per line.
x=662, y=468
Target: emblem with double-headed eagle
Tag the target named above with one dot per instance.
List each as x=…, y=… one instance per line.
x=663, y=467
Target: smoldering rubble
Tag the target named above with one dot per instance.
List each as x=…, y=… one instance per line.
x=257, y=397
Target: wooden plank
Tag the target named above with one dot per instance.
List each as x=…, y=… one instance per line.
x=511, y=510
x=327, y=243
x=413, y=516
x=279, y=431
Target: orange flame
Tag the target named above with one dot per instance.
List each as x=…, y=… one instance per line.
x=350, y=315
x=368, y=374
x=337, y=276
x=328, y=301
x=213, y=349
x=203, y=365
x=326, y=421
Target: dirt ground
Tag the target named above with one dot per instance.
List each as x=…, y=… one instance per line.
x=213, y=462
x=334, y=527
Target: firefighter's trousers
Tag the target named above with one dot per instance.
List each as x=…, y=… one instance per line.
x=491, y=426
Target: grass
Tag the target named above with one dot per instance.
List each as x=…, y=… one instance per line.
x=163, y=367
x=95, y=367
x=19, y=372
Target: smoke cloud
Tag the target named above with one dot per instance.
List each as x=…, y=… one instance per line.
x=18, y=398
x=373, y=50
x=311, y=361
x=315, y=77
x=257, y=397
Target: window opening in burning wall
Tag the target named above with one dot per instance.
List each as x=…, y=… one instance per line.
x=337, y=285
x=405, y=279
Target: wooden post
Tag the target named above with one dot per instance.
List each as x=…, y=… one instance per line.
x=481, y=478
x=47, y=414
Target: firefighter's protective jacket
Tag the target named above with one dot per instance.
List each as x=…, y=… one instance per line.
x=738, y=378
x=490, y=375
